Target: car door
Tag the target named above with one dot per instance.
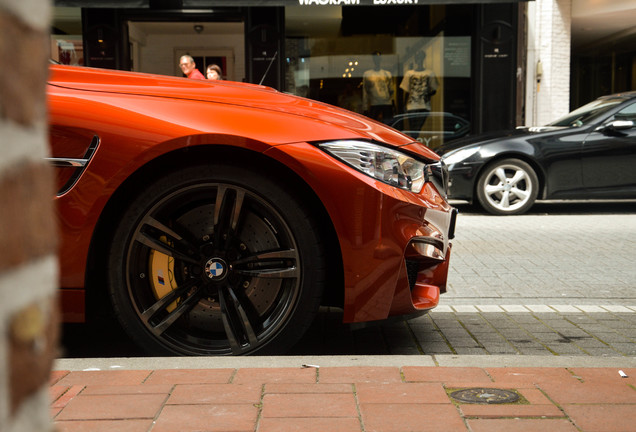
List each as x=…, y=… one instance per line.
x=609, y=157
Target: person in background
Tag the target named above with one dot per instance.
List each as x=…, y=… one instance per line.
x=189, y=68
x=213, y=72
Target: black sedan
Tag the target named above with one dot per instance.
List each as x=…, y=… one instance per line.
x=588, y=154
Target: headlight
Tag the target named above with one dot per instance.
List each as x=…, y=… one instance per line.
x=382, y=163
x=459, y=155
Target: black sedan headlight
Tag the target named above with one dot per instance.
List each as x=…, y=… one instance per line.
x=457, y=156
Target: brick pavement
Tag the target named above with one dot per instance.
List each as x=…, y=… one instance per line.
x=343, y=399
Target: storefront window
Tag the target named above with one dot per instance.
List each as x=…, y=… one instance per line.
x=409, y=67
x=66, y=36
x=67, y=49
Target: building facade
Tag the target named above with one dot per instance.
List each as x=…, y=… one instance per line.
x=378, y=57
x=577, y=50
x=488, y=64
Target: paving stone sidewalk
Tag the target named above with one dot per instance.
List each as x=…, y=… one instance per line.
x=343, y=399
x=481, y=330
x=543, y=259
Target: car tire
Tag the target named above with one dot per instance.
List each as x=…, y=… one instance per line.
x=216, y=260
x=507, y=187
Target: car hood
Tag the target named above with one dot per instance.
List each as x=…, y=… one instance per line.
x=223, y=92
x=485, y=138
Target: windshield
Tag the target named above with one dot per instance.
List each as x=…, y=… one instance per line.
x=581, y=116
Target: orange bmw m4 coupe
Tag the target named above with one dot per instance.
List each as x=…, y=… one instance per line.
x=215, y=218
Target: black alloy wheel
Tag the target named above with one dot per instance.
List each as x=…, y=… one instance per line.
x=216, y=260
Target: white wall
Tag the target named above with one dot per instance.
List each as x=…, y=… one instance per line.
x=157, y=52
x=28, y=232
x=595, y=7
x=549, y=41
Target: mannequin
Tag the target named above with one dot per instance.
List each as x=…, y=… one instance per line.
x=420, y=84
x=378, y=90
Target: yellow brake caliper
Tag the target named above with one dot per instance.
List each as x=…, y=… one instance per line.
x=162, y=271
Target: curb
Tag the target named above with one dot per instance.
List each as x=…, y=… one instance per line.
x=155, y=363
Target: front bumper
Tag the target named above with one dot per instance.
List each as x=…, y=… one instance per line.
x=395, y=244
x=405, y=269
x=461, y=185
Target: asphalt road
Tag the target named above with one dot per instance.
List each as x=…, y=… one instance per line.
x=560, y=280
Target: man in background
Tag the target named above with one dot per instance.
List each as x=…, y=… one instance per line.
x=189, y=68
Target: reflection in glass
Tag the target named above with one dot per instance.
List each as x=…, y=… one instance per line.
x=408, y=67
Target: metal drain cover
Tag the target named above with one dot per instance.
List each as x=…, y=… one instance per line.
x=485, y=396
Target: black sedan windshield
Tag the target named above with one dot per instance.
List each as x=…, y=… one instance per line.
x=581, y=116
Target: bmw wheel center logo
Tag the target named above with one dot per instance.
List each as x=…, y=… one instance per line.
x=215, y=268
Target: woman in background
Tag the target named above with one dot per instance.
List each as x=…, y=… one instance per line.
x=213, y=72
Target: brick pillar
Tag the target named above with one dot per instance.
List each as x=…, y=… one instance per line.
x=549, y=41
x=28, y=261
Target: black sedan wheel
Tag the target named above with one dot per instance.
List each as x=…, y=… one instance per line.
x=507, y=187
x=216, y=261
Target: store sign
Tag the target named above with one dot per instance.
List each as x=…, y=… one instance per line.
x=374, y=2
x=355, y=2
x=208, y=3
x=377, y=2
x=186, y=4
x=361, y=2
